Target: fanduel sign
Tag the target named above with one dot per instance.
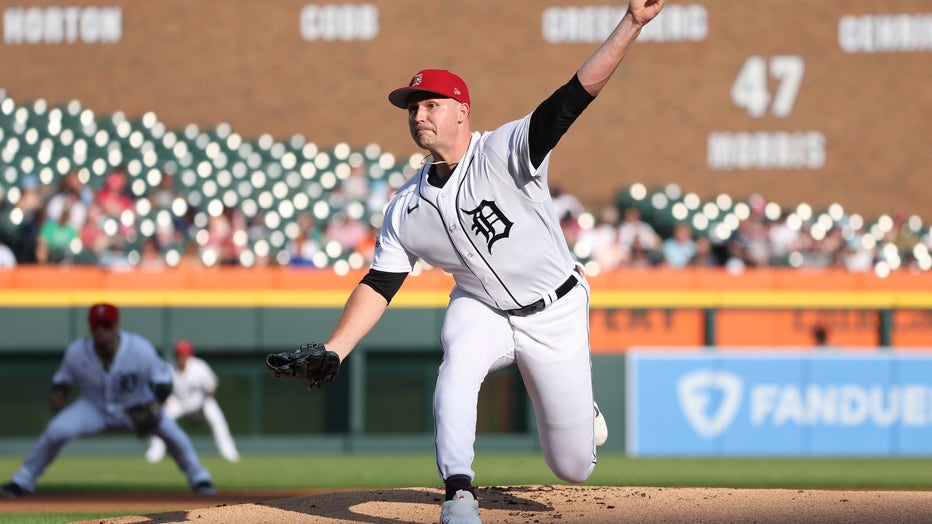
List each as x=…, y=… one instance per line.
x=779, y=404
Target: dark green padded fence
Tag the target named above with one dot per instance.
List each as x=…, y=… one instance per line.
x=383, y=394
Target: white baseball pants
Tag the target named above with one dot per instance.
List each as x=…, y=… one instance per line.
x=551, y=350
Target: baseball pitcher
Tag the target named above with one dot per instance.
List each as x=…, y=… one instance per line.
x=480, y=208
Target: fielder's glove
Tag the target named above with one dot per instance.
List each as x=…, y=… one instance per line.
x=145, y=417
x=313, y=362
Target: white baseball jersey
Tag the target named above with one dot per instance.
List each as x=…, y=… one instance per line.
x=481, y=227
x=193, y=385
x=135, y=367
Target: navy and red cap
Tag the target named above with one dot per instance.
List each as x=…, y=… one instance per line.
x=436, y=81
x=103, y=313
x=184, y=347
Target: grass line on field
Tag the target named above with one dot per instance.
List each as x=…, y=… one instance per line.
x=366, y=471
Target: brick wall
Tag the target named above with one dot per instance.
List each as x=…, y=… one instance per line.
x=245, y=63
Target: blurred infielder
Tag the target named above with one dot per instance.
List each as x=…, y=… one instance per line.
x=195, y=385
x=480, y=209
x=123, y=380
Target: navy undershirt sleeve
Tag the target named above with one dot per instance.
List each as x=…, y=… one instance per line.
x=554, y=116
x=384, y=283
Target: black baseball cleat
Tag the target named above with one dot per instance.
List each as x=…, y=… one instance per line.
x=11, y=490
x=205, y=488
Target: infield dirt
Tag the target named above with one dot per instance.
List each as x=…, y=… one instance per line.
x=536, y=504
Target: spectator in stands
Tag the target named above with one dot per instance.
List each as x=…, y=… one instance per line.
x=30, y=200
x=301, y=251
x=116, y=254
x=750, y=242
x=163, y=195
x=565, y=204
x=571, y=230
x=256, y=228
x=71, y=194
x=31, y=207
x=165, y=198
x=604, y=230
x=306, y=242
x=112, y=197
x=632, y=228
x=53, y=245
x=356, y=186
x=380, y=192
x=783, y=239
x=640, y=256
x=925, y=241
x=613, y=254
x=191, y=255
x=705, y=255
x=836, y=244
x=902, y=237
x=346, y=231
x=166, y=235
x=602, y=240
x=93, y=239
x=366, y=246
x=7, y=258
x=679, y=249
x=222, y=231
x=118, y=209
x=150, y=255
x=8, y=230
x=857, y=256
x=824, y=252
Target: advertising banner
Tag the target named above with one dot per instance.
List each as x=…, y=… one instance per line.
x=822, y=403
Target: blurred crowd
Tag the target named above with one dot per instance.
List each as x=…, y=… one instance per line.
x=109, y=225
x=78, y=188
x=672, y=230
x=74, y=222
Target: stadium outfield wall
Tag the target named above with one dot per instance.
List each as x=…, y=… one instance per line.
x=382, y=397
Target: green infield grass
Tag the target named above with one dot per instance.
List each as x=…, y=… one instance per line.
x=89, y=474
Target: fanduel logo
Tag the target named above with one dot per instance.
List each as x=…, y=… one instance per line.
x=699, y=391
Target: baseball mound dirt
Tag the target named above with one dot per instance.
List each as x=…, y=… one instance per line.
x=569, y=504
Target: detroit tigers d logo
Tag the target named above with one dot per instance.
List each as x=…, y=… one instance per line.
x=488, y=221
x=127, y=383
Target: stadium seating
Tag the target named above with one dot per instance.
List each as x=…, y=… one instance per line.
x=271, y=182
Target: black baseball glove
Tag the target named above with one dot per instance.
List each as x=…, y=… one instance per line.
x=313, y=362
x=145, y=417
